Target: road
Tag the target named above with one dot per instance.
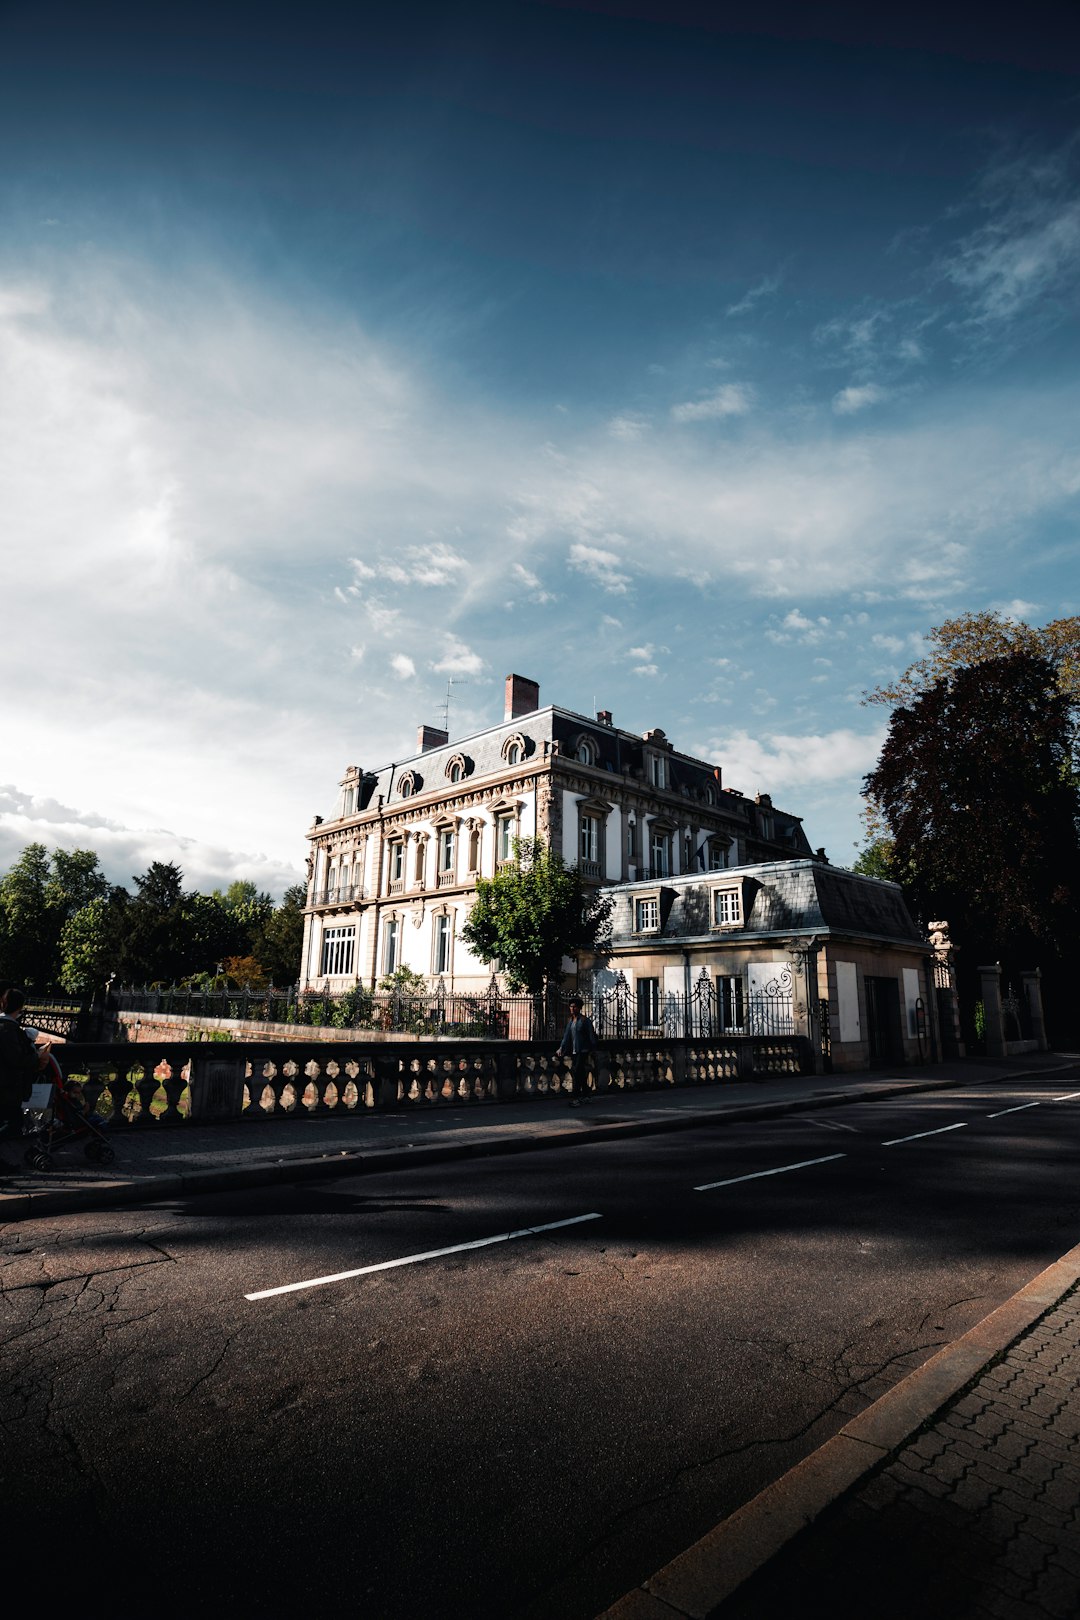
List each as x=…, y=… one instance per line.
x=521, y=1427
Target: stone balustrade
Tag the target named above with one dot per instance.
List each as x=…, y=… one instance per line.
x=172, y=1082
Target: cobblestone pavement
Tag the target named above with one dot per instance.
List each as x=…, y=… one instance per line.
x=978, y=1517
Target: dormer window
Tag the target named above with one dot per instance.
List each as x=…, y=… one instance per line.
x=585, y=750
x=727, y=908
x=514, y=749
x=408, y=784
x=458, y=768
x=658, y=770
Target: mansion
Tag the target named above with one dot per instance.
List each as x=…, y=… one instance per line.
x=392, y=872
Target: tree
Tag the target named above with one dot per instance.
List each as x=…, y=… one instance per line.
x=91, y=942
x=27, y=931
x=533, y=913
x=155, y=948
x=977, y=789
x=974, y=638
x=279, y=939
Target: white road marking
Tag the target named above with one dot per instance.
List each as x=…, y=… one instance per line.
x=1019, y=1109
x=755, y=1175
x=831, y=1124
x=413, y=1259
x=918, y=1134
x=1068, y=1097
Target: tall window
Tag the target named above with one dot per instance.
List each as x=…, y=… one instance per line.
x=391, y=944
x=505, y=838
x=732, y=1005
x=338, y=951
x=590, y=838
x=660, y=853
x=443, y=936
x=474, y=849
x=648, y=1003
x=397, y=860
x=717, y=855
x=418, y=863
x=658, y=770
x=348, y=802
x=446, y=849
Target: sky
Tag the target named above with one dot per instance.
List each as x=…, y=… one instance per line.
x=692, y=362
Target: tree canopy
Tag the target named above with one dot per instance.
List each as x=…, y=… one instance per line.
x=977, y=793
x=63, y=924
x=975, y=638
x=535, y=911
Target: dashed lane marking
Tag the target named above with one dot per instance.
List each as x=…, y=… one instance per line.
x=1019, y=1109
x=780, y=1170
x=896, y=1140
x=414, y=1259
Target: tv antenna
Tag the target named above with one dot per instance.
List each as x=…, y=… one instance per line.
x=452, y=680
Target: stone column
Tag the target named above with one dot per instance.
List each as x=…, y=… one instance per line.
x=1031, y=979
x=948, y=1002
x=990, y=989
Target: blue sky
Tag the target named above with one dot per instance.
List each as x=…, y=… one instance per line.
x=691, y=364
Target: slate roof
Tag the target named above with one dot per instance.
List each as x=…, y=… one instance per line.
x=782, y=897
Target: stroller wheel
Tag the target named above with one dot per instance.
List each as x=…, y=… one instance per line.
x=37, y=1159
x=99, y=1153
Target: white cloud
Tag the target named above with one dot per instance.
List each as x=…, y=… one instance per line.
x=858, y=397
x=734, y=399
x=532, y=582
x=125, y=852
x=403, y=666
x=629, y=426
x=458, y=659
x=889, y=644
x=774, y=762
x=601, y=564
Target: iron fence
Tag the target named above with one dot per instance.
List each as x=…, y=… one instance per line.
x=618, y=1011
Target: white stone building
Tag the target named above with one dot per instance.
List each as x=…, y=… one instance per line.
x=393, y=870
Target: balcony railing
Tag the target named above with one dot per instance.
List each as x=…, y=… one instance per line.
x=341, y=895
x=447, y=879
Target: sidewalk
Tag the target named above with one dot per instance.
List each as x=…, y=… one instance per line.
x=170, y=1161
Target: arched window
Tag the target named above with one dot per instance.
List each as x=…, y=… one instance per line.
x=586, y=750
x=458, y=768
x=515, y=749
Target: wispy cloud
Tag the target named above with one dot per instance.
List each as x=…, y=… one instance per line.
x=858, y=397
x=602, y=565
x=403, y=666
x=1028, y=245
x=750, y=300
x=734, y=399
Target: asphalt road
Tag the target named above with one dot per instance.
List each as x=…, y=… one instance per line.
x=525, y=1427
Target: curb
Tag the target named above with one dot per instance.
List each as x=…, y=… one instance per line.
x=19, y=1206
x=696, y=1584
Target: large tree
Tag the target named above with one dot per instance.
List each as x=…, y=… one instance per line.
x=975, y=638
x=977, y=791
x=535, y=911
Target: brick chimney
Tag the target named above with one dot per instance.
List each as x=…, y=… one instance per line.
x=604, y=716
x=522, y=696
x=430, y=737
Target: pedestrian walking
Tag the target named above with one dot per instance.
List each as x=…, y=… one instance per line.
x=579, y=1042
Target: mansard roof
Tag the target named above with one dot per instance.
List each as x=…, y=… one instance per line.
x=804, y=896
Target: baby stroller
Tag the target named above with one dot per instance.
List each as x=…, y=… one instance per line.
x=57, y=1114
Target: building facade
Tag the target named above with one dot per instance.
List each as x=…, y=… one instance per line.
x=775, y=948
x=392, y=872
